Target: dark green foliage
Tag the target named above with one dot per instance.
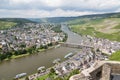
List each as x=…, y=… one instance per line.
x=19, y=52
x=45, y=47
x=27, y=78
x=52, y=73
x=16, y=20
x=2, y=56
x=22, y=45
x=50, y=44
x=9, y=54
x=65, y=38
x=57, y=29
x=30, y=50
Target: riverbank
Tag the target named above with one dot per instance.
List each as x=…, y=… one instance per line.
x=32, y=62
x=23, y=55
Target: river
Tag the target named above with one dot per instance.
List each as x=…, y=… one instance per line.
x=29, y=64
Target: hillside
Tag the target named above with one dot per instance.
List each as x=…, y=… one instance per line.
x=52, y=19
x=6, y=23
x=17, y=20
x=108, y=28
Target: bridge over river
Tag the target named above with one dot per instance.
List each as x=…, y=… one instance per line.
x=75, y=45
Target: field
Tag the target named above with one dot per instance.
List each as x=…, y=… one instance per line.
x=108, y=28
x=6, y=25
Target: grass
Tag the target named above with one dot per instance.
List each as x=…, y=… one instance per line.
x=6, y=25
x=18, y=56
x=55, y=77
x=115, y=56
x=13, y=57
x=102, y=28
x=43, y=77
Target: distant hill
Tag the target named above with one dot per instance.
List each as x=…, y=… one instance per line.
x=67, y=19
x=52, y=19
x=38, y=20
x=17, y=20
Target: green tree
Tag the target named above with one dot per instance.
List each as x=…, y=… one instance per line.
x=22, y=45
x=52, y=70
x=30, y=50
x=52, y=73
x=3, y=56
x=50, y=44
x=27, y=78
x=45, y=47
x=9, y=54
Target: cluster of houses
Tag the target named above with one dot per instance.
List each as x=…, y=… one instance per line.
x=28, y=35
x=82, y=60
x=86, y=57
x=41, y=34
x=104, y=45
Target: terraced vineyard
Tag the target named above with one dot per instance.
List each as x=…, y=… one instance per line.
x=108, y=28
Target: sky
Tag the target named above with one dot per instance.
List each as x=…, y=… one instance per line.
x=56, y=8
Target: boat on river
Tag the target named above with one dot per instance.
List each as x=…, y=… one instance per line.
x=20, y=75
x=69, y=55
x=40, y=68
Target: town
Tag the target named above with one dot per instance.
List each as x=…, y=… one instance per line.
x=85, y=58
x=60, y=40
x=30, y=36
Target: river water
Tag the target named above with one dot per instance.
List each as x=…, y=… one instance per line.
x=29, y=64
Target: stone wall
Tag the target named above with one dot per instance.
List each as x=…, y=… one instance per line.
x=96, y=74
x=106, y=72
x=102, y=71
x=115, y=68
